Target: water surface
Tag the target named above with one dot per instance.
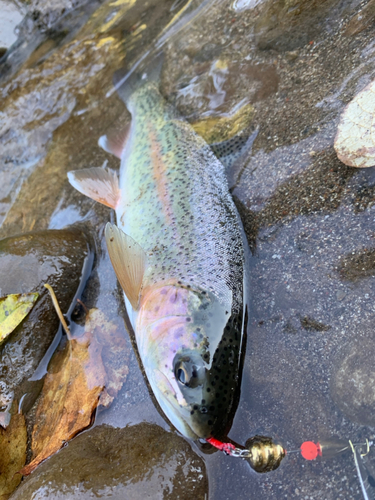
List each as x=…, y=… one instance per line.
x=284, y=72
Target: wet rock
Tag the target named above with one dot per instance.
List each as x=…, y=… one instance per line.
x=45, y=13
x=353, y=380
x=26, y=263
x=138, y=462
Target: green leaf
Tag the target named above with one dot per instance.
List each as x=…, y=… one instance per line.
x=13, y=309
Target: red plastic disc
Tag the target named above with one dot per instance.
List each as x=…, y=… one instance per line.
x=310, y=450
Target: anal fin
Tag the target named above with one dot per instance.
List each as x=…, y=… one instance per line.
x=128, y=260
x=96, y=183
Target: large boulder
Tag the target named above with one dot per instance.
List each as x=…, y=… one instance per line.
x=137, y=462
x=27, y=262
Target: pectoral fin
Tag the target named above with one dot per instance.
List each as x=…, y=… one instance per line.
x=128, y=260
x=96, y=183
x=115, y=140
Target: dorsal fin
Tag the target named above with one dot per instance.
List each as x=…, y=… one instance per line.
x=128, y=260
x=96, y=183
x=230, y=151
x=115, y=140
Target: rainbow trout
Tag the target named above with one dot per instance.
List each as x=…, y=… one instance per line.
x=179, y=254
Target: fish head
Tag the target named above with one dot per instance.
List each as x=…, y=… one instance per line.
x=190, y=343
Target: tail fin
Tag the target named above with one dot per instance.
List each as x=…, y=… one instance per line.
x=147, y=69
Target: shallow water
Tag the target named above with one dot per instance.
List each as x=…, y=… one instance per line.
x=285, y=71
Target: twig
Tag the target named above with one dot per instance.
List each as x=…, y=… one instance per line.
x=58, y=311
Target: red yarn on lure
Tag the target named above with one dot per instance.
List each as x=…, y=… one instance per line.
x=226, y=447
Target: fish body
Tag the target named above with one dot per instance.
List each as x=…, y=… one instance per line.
x=173, y=204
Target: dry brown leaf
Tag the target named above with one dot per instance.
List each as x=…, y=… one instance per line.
x=355, y=138
x=13, y=441
x=70, y=395
x=90, y=367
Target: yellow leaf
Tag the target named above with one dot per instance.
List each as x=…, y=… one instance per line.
x=13, y=442
x=222, y=128
x=13, y=309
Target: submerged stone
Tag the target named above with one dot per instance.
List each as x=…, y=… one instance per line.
x=26, y=263
x=137, y=462
x=353, y=379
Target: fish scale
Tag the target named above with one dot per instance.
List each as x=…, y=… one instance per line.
x=200, y=242
x=178, y=222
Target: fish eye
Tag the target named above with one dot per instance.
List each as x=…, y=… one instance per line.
x=186, y=373
x=182, y=376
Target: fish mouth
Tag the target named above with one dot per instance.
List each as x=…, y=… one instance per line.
x=188, y=420
x=196, y=426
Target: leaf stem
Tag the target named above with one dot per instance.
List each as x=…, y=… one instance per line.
x=83, y=305
x=58, y=311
